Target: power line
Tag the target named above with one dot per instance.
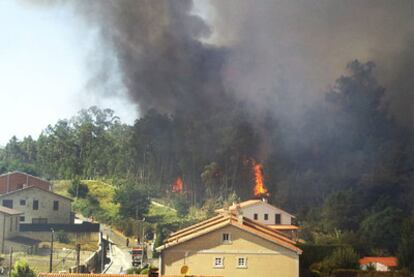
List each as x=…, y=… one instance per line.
x=61, y=261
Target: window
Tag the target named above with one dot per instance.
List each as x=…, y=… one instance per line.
x=55, y=205
x=22, y=202
x=17, y=224
x=255, y=216
x=241, y=262
x=8, y=203
x=266, y=216
x=39, y=220
x=218, y=262
x=226, y=238
x=35, y=204
x=278, y=219
x=11, y=224
x=22, y=219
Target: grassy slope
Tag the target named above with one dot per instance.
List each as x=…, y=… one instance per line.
x=100, y=190
x=104, y=191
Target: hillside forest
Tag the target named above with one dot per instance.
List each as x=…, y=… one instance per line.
x=345, y=169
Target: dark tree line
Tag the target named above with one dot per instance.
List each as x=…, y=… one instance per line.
x=347, y=165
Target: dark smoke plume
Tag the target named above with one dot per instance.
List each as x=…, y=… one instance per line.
x=286, y=53
x=163, y=64
x=275, y=55
x=278, y=57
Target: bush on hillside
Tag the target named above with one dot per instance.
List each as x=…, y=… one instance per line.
x=181, y=205
x=78, y=189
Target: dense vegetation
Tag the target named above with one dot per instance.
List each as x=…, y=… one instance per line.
x=346, y=168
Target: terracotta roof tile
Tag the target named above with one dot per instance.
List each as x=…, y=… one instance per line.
x=283, y=227
x=388, y=261
x=226, y=219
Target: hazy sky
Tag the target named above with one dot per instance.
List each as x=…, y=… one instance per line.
x=44, y=70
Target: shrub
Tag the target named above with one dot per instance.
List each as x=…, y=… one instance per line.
x=341, y=258
x=78, y=189
x=62, y=237
x=181, y=205
x=21, y=269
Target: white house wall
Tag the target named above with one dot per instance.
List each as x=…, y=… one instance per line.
x=263, y=208
x=45, y=210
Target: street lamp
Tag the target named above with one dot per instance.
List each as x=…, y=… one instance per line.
x=51, y=250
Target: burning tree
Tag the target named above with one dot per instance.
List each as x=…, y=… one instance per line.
x=178, y=185
x=260, y=189
x=179, y=198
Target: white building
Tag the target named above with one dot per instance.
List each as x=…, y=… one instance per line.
x=39, y=206
x=264, y=213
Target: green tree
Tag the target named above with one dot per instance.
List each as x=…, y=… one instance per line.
x=341, y=258
x=405, y=252
x=132, y=199
x=181, y=204
x=382, y=229
x=78, y=189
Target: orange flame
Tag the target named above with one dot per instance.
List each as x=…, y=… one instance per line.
x=178, y=185
x=259, y=187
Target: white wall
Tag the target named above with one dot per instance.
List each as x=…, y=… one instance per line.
x=45, y=210
x=263, y=208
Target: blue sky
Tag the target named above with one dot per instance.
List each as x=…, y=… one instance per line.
x=45, y=57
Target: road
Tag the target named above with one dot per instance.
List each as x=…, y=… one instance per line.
x=121, y=258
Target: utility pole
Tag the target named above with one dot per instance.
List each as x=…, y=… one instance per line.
x=11, y=261
x=143, y=243
x=51, y=250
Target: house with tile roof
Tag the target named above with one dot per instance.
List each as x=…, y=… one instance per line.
x=261, y=211
x=228, y=245
x=378, y=263
x=17, y=180
x=39, y=205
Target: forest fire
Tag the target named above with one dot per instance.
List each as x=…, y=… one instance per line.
x=260, y=189
x=178, y=185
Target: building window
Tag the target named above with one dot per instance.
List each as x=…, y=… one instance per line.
x=278, y=219
x=35, y=204
x=266, y=216
x=55, y=205
x=22, y=202
x=241, y=262
x=218, y=262
x=11, y=224
x=255, y=216
x=226, y=238
x=39, y=220
x=8, y=203
x=22, y=219
x=17, y=224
